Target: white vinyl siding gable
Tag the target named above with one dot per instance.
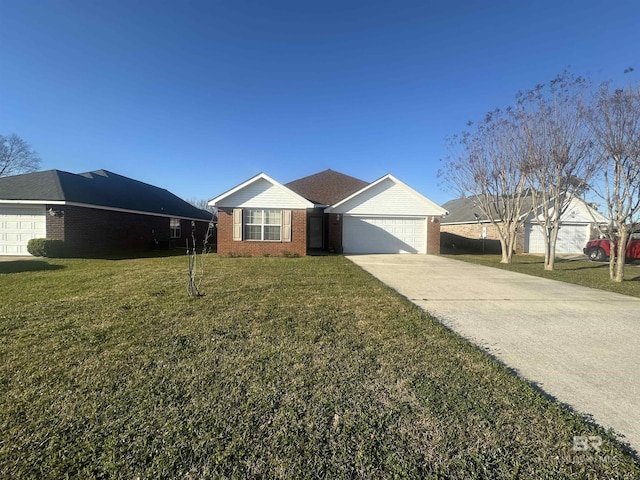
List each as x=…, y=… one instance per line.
x=577, y=212
x=263, y=194
x=388, y=198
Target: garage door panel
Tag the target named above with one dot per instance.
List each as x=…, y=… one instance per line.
x=384, y=235
x=571, y=239
x=18, y=225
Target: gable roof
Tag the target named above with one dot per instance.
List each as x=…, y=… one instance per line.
x=464, y=210
x=424, y=205
x=99, y=188
x=248, y=191
x=327, y=187
x=577, y=211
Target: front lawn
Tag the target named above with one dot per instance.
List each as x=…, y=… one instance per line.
x=579, y=272
x=287, y=368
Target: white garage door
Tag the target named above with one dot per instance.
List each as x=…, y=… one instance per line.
x=571, y=239
x=384, y=235
x=18, y=225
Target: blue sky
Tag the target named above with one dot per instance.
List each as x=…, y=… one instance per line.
x=196, y=97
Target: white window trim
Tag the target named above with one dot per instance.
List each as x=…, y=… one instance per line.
x=173, y=229
x=262, y=225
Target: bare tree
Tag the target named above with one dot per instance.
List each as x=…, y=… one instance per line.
x=16, y=156
x=486, y=164
x=199, y=203
x=559, y=161
x=615, y=124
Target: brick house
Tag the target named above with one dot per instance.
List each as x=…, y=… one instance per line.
x=467, y=228
x=93, y=213
x=327, y=211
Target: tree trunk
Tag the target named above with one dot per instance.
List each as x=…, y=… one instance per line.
x=547, y=249
x=551, y=263
x=550, y=254
x=621, y=251
x=612, y=262
x=506, y=254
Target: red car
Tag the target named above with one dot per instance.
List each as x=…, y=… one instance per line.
x=600, y=250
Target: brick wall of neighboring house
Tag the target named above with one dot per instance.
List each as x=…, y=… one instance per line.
x=334, y=233
x=468, y=236
x=200, y=232
x=87, y=231
x=227, y=246
x=433, y=235
x=55, y=221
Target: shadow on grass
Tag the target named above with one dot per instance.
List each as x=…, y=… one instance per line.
x=132, y=254
x=466, y=251
x=18, y=266
x=592, y=266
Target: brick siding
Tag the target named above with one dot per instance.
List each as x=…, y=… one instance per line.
x=55, y=222
x=471, y=236
x=433, y=235
x=227, y=246
x=87, y=231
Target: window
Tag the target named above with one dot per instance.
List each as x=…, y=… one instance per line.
x=174, y=225
x=262, y=224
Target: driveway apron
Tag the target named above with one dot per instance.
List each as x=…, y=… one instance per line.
x=580, y=345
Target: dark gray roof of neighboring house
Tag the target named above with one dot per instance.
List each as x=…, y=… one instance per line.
x=464, y=210
x=100, y=188
x=461, y=210
x=327, y=187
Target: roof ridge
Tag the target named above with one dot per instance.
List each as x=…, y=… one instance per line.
x=58, y=183
x=326, y=171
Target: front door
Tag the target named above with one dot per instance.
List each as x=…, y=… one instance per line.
x=316, y=232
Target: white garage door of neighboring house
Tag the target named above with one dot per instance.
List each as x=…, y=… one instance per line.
x=384, y=234
x=571, y=238
x=18, y=225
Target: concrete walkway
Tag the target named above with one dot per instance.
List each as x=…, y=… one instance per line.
x=580, y=345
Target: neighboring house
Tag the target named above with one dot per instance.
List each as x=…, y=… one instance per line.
x=467, y=228
x=327, y=211
x=92, y=213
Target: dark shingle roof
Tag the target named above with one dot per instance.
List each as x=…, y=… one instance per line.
x=99, y=188
x=461, y=210
x=464, y=210
x=327, y=188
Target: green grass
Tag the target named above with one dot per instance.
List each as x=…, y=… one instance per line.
x=287, y=368
x=579, y=272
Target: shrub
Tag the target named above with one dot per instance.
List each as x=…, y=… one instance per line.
x=45, y=247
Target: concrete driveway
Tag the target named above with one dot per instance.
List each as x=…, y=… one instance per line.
x=580, y=345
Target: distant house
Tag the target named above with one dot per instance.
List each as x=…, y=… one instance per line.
x=92, y=212
x=466, y=227
x=327, y=211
